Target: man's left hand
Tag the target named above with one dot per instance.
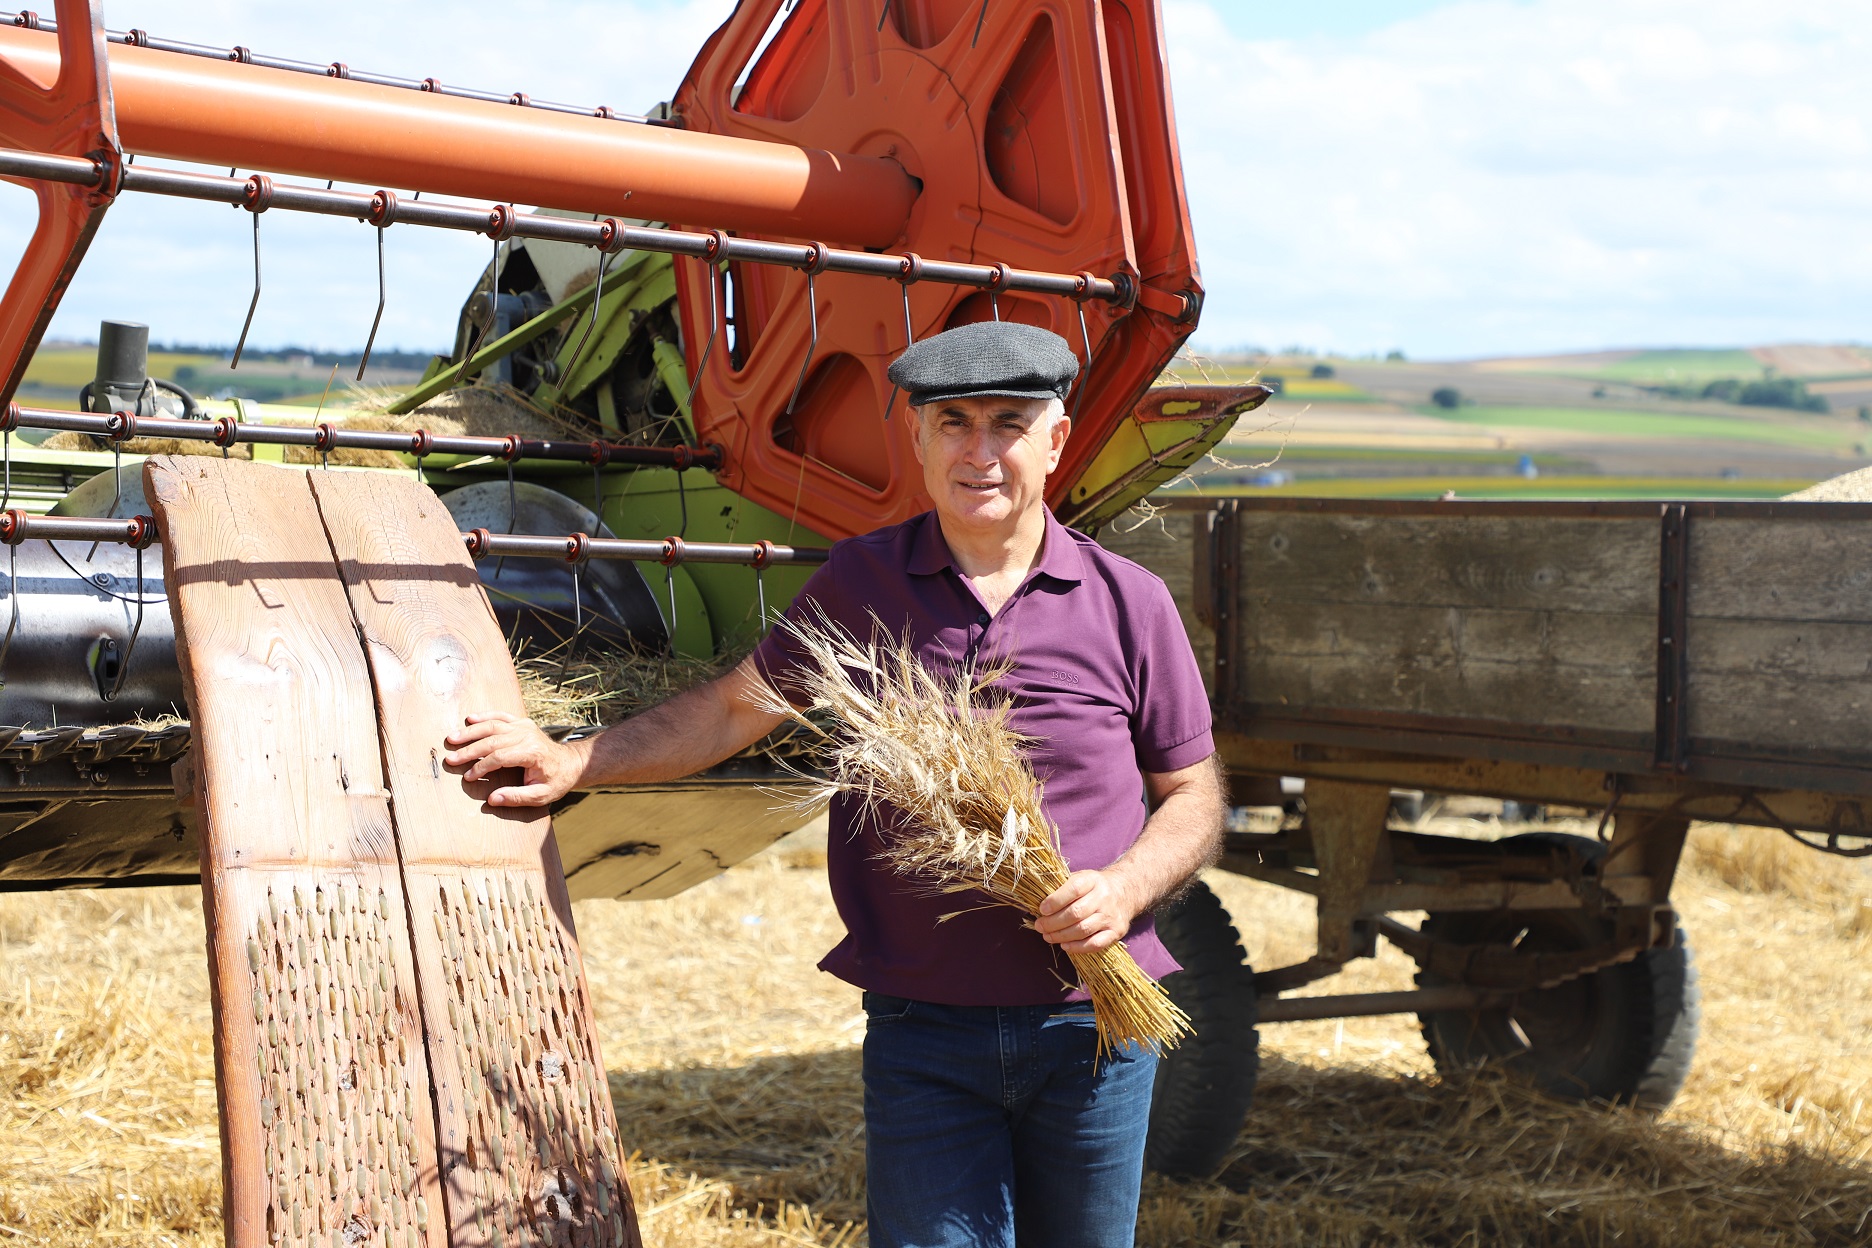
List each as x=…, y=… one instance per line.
x=1089, y=912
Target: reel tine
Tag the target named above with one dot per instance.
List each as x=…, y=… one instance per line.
x=482, y=332
x=669, y=581
x=253, y=303
x=513, y=510
x=117, y=475
x=6, y=644
x=911, y=272
x=714, y=325
x=812, y=345
x=6, y=455
x=1085, y=375
x=578, y=352
x=1082, y=292
x=578, y=625
x=578, y=556
x=123, y=664
x=377, y=320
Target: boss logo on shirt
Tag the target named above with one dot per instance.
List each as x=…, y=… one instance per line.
x=1070, y=678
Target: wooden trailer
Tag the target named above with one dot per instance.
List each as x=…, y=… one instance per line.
x=1655, y=663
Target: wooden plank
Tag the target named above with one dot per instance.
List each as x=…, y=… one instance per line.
x=1788, y=684
x=678, y=837
x=1547, y=667
x=1781, y=569
x=529, y=1144
x=327, y=1127
x=1534, y=563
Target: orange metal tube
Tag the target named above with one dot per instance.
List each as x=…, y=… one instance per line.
x=245, y=116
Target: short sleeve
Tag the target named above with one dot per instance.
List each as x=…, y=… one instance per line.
x=779, y=656
x=1172, y=725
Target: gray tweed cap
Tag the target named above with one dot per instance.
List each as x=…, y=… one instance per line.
x=1003, y=359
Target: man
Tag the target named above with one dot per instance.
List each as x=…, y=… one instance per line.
x=987, y=1117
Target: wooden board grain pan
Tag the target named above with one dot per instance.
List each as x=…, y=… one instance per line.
x=327, y=1123
x=327, y=644
x=528, y=1143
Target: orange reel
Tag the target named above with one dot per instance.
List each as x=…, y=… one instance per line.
x=68, y=116
x=1043, y=140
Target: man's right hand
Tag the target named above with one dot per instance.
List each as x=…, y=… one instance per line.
x=498, y=741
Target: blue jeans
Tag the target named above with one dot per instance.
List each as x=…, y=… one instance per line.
x=986, y=1125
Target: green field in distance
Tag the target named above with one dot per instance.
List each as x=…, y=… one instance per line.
x=1775, y=428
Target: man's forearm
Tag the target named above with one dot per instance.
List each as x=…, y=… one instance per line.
x=690, y=732
x=1182, y=836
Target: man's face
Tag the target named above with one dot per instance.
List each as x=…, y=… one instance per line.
x=986, y=460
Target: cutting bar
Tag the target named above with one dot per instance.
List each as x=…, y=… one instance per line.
x=384, y=208
x=139, y=532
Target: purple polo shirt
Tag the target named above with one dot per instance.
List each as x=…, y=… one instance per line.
x=1104, y=684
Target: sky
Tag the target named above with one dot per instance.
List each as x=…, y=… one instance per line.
x=1454, y=180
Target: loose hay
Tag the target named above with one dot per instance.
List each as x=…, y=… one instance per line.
x=607, y=685
x=734, y=1069
x=935, y=751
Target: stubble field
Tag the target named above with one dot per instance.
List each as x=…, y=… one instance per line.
x=734, y=1067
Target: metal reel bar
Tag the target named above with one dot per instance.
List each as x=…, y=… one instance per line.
x=608, y=234
x=140, y=532
x=325, y=438
x=337, y=69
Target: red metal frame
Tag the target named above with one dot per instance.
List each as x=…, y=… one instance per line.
x=1048, y=142
x=69, y=115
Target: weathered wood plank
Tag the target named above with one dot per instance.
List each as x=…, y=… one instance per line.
x=528, y=1139
x=1585, y=566
x=679, y=837
x=1781, y=569
x=326, y=1121
x=1782, y=683
x=1549, y=667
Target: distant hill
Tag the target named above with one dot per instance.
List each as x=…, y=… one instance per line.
x=1680, y=365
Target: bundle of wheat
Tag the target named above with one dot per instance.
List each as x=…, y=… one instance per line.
x=934, y=751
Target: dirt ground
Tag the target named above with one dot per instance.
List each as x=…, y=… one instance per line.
x=734, y=1067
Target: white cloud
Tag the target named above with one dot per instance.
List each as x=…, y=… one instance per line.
x=1481, y=177
x=1494, y=177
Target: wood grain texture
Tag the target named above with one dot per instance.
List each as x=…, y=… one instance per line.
x=326, y=1122
x=679, y=836
x=1551, y=667
x=1513, y=619
x=1781, y=569
x=1583, y=566
x=529, y=1146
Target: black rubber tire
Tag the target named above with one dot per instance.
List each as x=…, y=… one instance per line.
x=1624, y=1034
x=1205, y=1084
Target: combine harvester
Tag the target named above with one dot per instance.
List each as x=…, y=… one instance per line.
x=702, y=309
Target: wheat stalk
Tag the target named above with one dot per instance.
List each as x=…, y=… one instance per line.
x=948, y=760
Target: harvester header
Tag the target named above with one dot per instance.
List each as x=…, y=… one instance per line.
x=835, y=182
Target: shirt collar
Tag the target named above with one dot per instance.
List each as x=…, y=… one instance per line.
x=1059, y=558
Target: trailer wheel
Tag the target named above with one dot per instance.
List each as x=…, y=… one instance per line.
x=1203, y=1085
x=1625, y=1033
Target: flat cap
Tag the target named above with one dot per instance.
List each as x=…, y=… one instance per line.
x=1003, y=359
